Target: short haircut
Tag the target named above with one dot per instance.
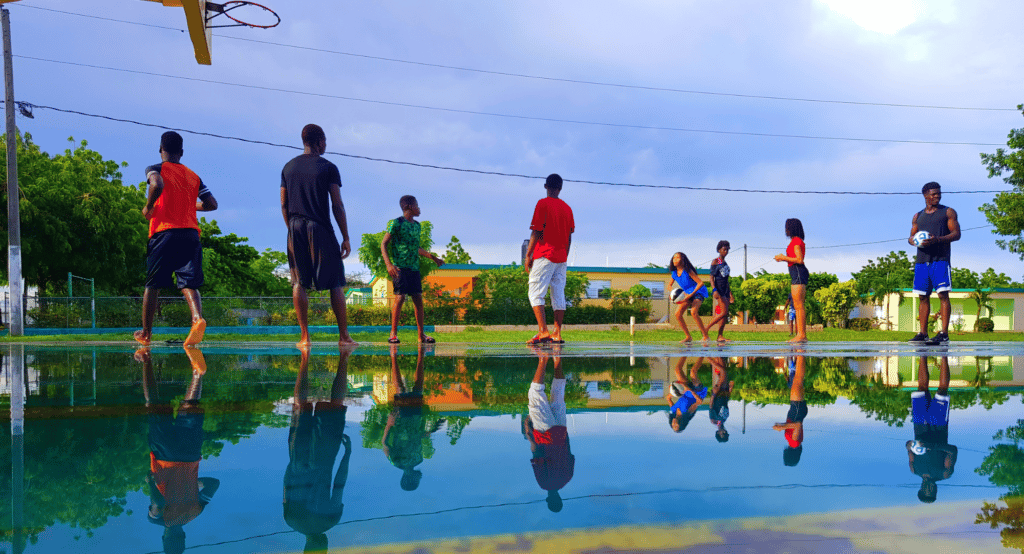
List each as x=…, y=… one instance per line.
x=407, y=202
x=312, y=134
x=722, y=243
x=171, y=143
x=554, y=181
x=929, y=186
x=928, y=492
x=794, y=228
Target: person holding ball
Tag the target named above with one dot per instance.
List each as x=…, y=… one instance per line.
x=932, y=271
x=693, y=294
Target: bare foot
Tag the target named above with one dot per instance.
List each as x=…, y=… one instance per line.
x=142, y=354
x=304, y=343
x=722, y=340
x=704, y=340
x=346, y=341
x=141, y=338
x=798, y=338
x=195, y=335
x=687, y=340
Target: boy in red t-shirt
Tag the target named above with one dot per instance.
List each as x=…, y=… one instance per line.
x=546, y=258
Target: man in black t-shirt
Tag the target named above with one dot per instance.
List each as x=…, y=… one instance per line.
x=932, y=270
x=310, y=192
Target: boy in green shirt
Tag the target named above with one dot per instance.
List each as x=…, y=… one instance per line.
x=403, y=263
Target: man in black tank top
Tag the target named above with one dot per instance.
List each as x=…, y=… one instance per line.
x=932, y=270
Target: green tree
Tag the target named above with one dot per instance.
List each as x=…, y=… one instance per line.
x=370, y=256
x=963, y=278
x=233, y=268
x=510, y=283
x=1004, y=467
x=836, y=302
x=982, y=297
x=455, y=254
x=76, y=216
x=815, y=282
x=763, y=295
x=1006, y=211
x=894, y=270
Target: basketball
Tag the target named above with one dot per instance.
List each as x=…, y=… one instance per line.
x=678, y=295
x=920, y=237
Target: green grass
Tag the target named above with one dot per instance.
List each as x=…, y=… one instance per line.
x=481, y=335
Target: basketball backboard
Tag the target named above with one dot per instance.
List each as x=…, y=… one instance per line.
x=198, y=30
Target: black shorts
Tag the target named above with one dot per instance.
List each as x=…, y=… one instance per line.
x=408, y=281
x=176, y=439
x=314, y=255
x=798, y=274
x=174, y=253
x=797, y=411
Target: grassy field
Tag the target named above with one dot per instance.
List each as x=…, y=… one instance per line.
x=482, y=335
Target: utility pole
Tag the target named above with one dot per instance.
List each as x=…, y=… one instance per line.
x=746, y=314
x=14, y=278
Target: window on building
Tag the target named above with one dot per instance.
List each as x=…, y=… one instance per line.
x=657, y=288
x=599, y=289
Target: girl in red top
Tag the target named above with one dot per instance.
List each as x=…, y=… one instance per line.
x=798, y=274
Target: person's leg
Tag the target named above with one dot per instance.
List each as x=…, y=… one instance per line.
x=418, y=384
x=944, y=310
x=924, y=311
x=558, y=299
x=695, y=312
x=396, y=314
x=680, y=317
x=799, y=292
x=922, y=374
x=339, y=388
x=301, y=302
x=943, y=376
x=417, y=302
x=540, y=280
x=724, y=317
x=542, y=325
x=149, y=301
x=341, y=314
x=195, y=306
x=396, y=376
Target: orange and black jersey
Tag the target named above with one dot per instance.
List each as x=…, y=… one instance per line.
x=176, y=207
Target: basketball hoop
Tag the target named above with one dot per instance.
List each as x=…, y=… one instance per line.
x=213, y=10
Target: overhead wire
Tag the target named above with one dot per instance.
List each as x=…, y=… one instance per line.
x=858, y=243
x=506, y=115
x=480, y=171
x=541, y=77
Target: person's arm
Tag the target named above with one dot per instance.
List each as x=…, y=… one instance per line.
x=206, y=202
x=392, y=270
x=913, y=231
x=535, y=237
x=156, y=188
x=387, y=430
x=339, y=215
x=700, y=285
x=284, y=205
x=798, y=258
x=784, y=426
x=437, y=259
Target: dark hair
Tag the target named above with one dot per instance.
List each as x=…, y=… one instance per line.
x=929, y=186
x=411, y=479
x=171, y=143
x=722, y=243
x=794, y=228
x=174, y=540
x=554, y=501
x=722, y=435
x=554, y=181
x=791, y=456
x=684, y=419
x=687, y=266
x=312, y=134
x=407, y=202
x=929, y=490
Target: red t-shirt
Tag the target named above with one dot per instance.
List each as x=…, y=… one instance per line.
x=178, y=482
x=556, y=467
x=176, y=207
x=553, y=218
x=791, y=249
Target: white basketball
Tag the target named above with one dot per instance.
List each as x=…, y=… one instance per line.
x=678, y=295
x=920, y=237
x=918, y=448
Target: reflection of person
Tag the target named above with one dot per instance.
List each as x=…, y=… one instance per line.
x=310, y=194
x=312, y=503
x=794, y=425
x=553, y=462
x=547, y=256
x=721, y=389
x=685, y=395
x=685, y=275
x=932, y=458
x=931, y=271
x=407, y=423
x=402, y=237
x=798, y=275
x=177, y=493
x=173, y=254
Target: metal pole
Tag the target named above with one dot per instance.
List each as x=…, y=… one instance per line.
x=14, y=278
x=92, y=285
x=17, y=375
x=746, y=313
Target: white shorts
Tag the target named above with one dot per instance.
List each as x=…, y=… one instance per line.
x=544, y=414
x=544, y=274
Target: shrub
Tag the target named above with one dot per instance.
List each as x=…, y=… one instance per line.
x=859, y=324
x=986, y=325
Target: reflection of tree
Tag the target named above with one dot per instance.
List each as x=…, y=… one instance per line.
x=1004, y=466
x=762, y=383
x=885, y=403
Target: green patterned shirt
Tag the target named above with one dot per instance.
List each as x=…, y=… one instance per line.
x=405, y=243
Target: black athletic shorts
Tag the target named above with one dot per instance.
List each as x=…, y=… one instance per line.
x=314, y=255
x=408, y=281
x=174, y=253
x=797, y=411
x=176, y=438
x=798, y=274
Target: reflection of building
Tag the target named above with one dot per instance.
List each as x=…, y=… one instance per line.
x=460, y=279
x=964, y=371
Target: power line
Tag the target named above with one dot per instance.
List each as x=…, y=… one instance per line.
x=859, y=243
x=542, y=77
x=480, y=171
x=507, y=116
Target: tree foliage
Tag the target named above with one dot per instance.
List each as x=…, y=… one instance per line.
x=836, y=301
x=888, y=273
x=511, y=283
x=76, y=216
x=371, y=257
x=1006, y=211
x=455, y=254
x=763, y=295
x=233, y=268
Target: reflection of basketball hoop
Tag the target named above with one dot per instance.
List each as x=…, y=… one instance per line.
x=213, y=10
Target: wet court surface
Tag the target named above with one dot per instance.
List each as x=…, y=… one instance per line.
x=754, y=447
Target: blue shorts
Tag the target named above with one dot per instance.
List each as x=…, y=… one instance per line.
x=932, y=277
x=931, y=410
x=701, y=295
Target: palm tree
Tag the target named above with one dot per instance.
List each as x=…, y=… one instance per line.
x=881, y=289
x=983, y=298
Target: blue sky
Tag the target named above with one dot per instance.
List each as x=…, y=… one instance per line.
x=935, y=53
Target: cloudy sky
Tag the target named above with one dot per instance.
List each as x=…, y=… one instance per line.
x=703, y=91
